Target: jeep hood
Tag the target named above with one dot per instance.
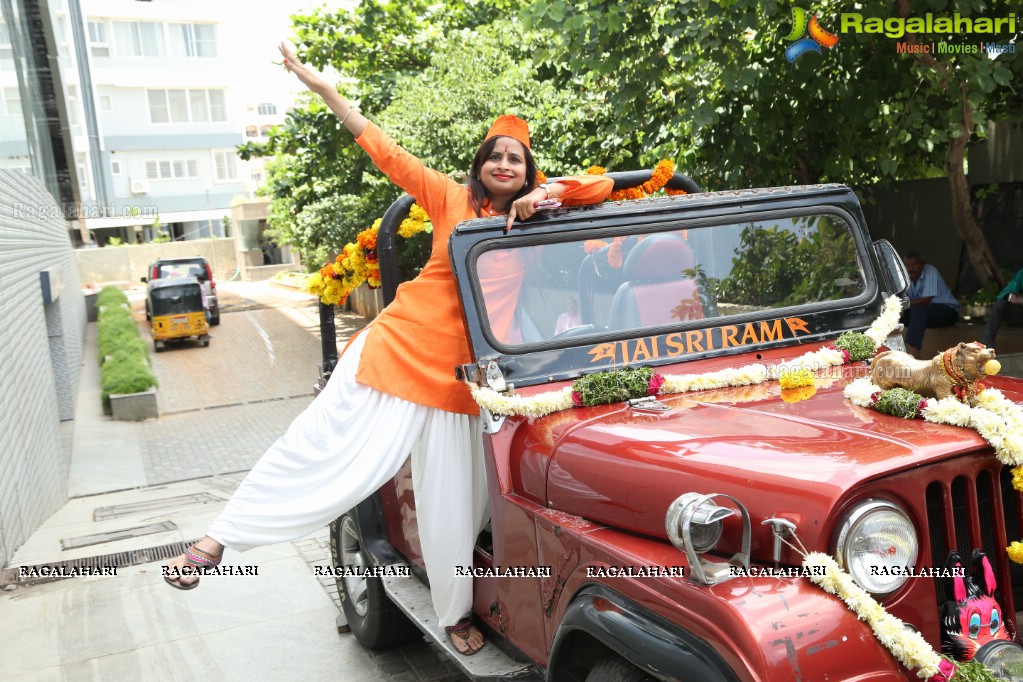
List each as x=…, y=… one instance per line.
x=800, y=459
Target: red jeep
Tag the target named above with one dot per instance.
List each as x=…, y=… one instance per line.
x=637, y=540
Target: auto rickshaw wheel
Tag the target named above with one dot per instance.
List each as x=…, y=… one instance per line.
x=205, y=339
x=159, y=346
x=373, y=618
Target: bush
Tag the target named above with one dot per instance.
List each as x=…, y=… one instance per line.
x=123, y=356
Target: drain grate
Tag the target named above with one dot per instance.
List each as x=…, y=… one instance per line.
x=112, y=512
x=59, y=570
x=123, y=534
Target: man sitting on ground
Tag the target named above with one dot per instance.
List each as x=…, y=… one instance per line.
x=931, y=303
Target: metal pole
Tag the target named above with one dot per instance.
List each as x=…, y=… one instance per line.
x=209, y=225
x=328, y=345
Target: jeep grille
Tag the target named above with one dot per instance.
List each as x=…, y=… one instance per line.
x=967, y=512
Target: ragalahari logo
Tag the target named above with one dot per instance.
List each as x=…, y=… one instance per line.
x=818, y=36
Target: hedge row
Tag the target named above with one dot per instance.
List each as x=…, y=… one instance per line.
x=123, y=356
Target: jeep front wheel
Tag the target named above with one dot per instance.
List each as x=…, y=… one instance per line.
x=616, y=669
x=373, y=618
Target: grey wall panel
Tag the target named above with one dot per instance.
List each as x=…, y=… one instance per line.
x=40, y=357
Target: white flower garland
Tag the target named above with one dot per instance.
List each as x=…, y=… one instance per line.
x=997, y=419
x=908, y=646
x=542, y=404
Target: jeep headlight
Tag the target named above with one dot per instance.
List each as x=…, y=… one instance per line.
x=877, y=544
x=694, y=523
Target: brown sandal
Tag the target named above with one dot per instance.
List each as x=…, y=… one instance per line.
x=461, y=630
x=197, y=563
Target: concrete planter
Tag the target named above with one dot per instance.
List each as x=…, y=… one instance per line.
x=134, y=407
x=367, y=302
x=90, y=305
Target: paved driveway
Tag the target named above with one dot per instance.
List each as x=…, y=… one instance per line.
x=223, y=405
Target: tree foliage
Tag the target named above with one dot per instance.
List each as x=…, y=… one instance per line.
x=622, y=84
x=706, y=82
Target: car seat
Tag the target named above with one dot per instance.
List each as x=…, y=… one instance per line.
x=655, y=291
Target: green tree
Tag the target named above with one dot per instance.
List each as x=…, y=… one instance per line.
x=434, y=79
x=706, y=83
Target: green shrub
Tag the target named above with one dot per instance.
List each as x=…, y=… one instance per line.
x=123, y=355
x=125, y=372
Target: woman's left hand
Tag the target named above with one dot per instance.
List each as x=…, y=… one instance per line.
x=524, y=207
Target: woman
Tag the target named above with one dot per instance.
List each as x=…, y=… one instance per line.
x=391, y=394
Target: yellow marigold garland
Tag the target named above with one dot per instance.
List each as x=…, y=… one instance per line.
x=357, y=262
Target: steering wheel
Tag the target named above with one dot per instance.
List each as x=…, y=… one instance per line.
x=581, y=330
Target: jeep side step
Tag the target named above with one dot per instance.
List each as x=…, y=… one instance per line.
x=489, y=665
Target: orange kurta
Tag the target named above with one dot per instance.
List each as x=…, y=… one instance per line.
x=416, y=343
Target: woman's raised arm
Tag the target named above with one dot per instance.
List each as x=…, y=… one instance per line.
x=350, y=117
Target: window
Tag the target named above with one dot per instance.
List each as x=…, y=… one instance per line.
x=225, y=165
x=74, y=114
x=6, y=49
x=115, y=167
x=674, y=278
x=60, y=34
x=265, y=131
x=139, y=39
x=267, y=109
x=186, y=106
x=172, y=169
x=11, y=102
x=251, y=131
x=193, y=40
x=99, y=44
x=84, y=180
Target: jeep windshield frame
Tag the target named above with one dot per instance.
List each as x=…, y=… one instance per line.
x=501, y=318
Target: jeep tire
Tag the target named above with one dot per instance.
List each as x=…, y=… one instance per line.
x=373, y=618
x=616, y=669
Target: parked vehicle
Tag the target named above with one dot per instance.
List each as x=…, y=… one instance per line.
x=176, y=311
x=190, y=266
x=584, y=499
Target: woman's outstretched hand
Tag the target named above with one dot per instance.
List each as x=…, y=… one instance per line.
x=524, y=207
x=309, y=78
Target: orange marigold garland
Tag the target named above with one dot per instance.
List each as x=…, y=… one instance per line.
x=614, y=254
x=662, y=173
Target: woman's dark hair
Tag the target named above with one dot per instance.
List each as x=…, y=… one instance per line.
x=477, y=192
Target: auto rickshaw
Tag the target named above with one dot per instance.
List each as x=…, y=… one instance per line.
x=177, y=311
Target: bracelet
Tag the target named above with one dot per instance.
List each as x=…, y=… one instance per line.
x=350, y=107
x=547, y=190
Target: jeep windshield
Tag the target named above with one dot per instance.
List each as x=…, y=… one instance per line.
x=686, y=277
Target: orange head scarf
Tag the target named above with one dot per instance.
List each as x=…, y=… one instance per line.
x=510, y=126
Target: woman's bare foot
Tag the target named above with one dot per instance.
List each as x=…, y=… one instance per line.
x=183, y=571
x=465, y=637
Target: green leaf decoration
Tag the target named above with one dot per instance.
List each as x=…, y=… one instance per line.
x=899, y=402
x=616, y=386
x=859, y=346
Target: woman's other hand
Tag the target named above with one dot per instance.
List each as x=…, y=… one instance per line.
x=524, y=207
x=309, y=78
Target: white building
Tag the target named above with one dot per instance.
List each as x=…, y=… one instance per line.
x=159, y=95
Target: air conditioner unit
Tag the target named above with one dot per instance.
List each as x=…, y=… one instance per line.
x=139, y=186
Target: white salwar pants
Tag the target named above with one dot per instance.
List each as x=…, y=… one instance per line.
x=351, y=440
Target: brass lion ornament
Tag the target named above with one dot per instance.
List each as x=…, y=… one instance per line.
x=955, y=372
